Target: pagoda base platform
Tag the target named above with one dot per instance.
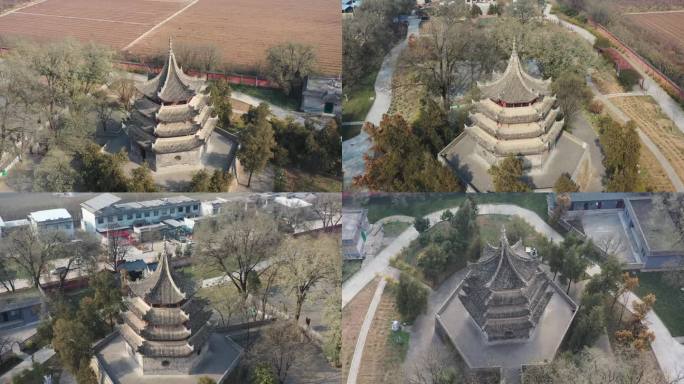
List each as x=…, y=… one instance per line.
x=455, y=326
x=113, y=364
x=570, y=155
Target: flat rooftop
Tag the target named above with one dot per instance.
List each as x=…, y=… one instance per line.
x=351, y=218
x=658, y=228
x=608, y=230
x=223, y=356
x=50, y=215
x=541, y=347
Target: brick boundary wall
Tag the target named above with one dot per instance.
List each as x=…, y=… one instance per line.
x=235, y=78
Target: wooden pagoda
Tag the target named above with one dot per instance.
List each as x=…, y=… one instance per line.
x=516, y=115
x=506, y=292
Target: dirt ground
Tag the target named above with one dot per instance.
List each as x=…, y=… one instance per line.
x=606, y=82
x=653, y=174
x=352, y=319
x=380, y=363
x=114, y=23
x=662, y=131
x=406, y=94
x=243, y=30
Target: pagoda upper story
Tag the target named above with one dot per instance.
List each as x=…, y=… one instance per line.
x=506, y=292
x=173, y=115
x=516, y=115
x=161, y=321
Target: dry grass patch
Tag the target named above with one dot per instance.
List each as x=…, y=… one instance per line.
x=352, y=319
x=650, y=119
x=381, y=362
x=652, y=173
x=406, y=93
x=606, y=82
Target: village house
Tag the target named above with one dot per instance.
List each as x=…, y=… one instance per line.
x=322, y=95
x=355, y=228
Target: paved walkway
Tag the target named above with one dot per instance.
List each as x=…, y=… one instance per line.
x=670, y=107
x=668, y=352
x=379, y=264
x=40, y=356
x=277, y=111
x=582, y=129
x=622, y=117
x=363, y=334
x=354, y=148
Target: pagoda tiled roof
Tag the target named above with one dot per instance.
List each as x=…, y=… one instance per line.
x=159, y=288
x=515, y=85
x=171, y=85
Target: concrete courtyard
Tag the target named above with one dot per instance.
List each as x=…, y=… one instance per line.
x=608, y=230
x=223, y=356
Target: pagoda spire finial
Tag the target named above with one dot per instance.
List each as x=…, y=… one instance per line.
x=170, y=45
x=503, y=239
x=515, y=46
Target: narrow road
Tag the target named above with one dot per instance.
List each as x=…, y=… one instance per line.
x=622, y=117
x=363, y=334
x=354, y=148
x=670, y=107
x=379, y=264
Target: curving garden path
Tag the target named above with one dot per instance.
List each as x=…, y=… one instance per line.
x=355, y=148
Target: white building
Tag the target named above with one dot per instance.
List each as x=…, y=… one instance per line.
x=354, y=231
x=483, y=4
x=52, y=220
x=104, y=212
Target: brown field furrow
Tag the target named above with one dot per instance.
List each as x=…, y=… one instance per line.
x=352, y=319
x=668, y=25
x=241, y=30
x=661, y=131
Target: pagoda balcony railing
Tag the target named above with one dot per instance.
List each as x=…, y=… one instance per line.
x=519, y=115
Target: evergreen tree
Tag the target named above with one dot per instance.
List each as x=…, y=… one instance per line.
x=401, y=163
x=141, y=180
x=508, y=176
x=257, y=144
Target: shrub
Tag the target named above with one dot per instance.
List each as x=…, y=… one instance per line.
x=411, y=298
x=596, y=107
x=629, y=78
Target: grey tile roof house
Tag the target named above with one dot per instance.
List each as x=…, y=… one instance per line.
x=322, y=95
x=354, y=229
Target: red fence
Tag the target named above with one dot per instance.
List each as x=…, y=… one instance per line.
x=649, y=68
x=254, y=81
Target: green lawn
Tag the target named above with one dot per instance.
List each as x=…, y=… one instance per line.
x=394, y=228
x=425, y=203
x=350, y=267
x=358, y=101
x=398, y=344
x=669, y=303
x=273, y=96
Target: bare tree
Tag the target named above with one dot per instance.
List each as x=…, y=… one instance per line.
x=7, y=274
x=80, y=253
x=6, y=344
x=306, y=262
x=117, y=249
x=280, y=346
x=328, y=208
x=125, y=91
x=239, y=248
x=435, y=368
x=32, y=251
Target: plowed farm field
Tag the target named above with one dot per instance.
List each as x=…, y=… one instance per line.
x=113, y=23
x=668, y=25
x=241, y=30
